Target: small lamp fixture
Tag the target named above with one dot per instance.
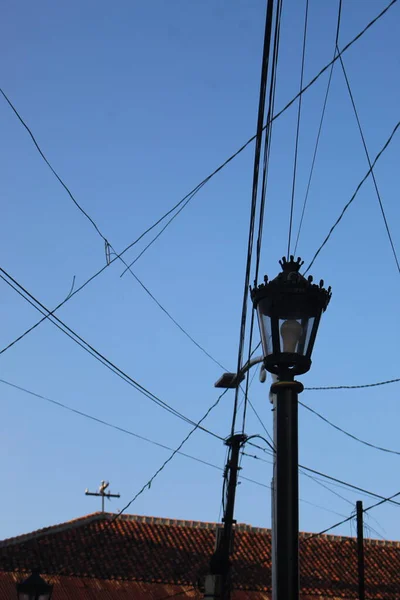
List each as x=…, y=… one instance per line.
x=34, y=588
x=289, y=309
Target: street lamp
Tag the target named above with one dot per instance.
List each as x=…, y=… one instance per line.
x=34, y=588
x=289, y=309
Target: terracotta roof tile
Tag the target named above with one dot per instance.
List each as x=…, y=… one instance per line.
x=149, y=550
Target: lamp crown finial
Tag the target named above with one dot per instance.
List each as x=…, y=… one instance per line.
x=291, y=264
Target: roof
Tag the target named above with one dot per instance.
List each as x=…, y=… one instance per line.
x=164, y=557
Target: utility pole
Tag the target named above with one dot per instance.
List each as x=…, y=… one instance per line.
x=102, y=493
x=218, y=584
x=360, y=550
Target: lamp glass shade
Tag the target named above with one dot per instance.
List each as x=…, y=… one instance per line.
x=293, y=333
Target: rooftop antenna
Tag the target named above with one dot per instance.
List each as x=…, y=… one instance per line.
x=102, y=493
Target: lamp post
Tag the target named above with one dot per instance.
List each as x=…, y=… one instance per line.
x=34, y=588
x=289, y=309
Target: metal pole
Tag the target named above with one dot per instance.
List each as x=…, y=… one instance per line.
x=219, y=582
x=286, y=485
x=360, y=550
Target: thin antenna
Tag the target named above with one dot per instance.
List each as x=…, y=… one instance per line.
x=102, y=493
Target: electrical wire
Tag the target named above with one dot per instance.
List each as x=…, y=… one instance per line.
x=266, y=156
x=378, y=195
x=325, y=476
x=268, y=134
x=348, y=485
x=168, y=460
x=208, y=178
x=296, y=147
x=319, y=131
x=253, y=206
x=271, y=443
x=184, y=331
x=301, y=499
x=273, y=118
x=155, y=238
x=302, y=471
x=139, y=436
x=305, y=474
x=352, y=387
x=365, y=510
x=350, y=435
x=111, y=425
x=71, y=294
x=107, y=243
x=353, y=197
x=246, y=398
x=227, y=161
x=90, y=349
x=150, y=441
x=148, y=485
x=24, y=124
x=326, y=487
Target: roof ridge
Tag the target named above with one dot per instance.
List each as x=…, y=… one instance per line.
x=240, y=527
x=245, y=527
x=53, y=529
x=190, y=523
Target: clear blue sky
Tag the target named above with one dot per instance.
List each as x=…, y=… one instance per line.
x=134, y=103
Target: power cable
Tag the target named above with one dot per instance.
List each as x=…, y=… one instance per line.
x=271, y=444
x=352, y=387
x=266, y=156
x=232, y=157
x=302, y=467
x=277, y=115
x=268, y=134
x=378, y=195
x=350, y=435
x=255, y=349
x=296, y=147
x=24, y=124
x=139, y=436
x=147, y=485
x=245, y=398
x=108, y=245
x=301, y=499
x=302, y=471
x=146, y=439
x=353, y=196
x=90, y=349
x=186, y=333
x=325, y=476
x=326, y=487
x=155, y=238
x=319, y=131
x=348, y=485
x=168, y=460
x=314, y=535
x=253, y=206
x=320, y=483
x=111, y=425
